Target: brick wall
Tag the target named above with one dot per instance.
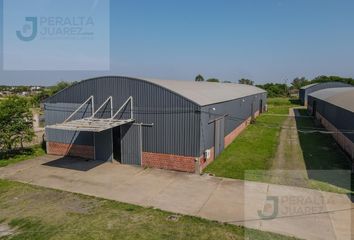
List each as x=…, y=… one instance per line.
x=169, y=161
x=204, y=162
x=231, y=136
x=63, y=149
x=341, y=139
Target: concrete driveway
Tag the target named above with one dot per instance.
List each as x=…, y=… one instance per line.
x=292, y=211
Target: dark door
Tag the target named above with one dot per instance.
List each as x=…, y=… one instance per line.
x=314, y=108
x=131, y=144
x=116, y=144
x=261, y=106
x=103, y=145
x=219, y=136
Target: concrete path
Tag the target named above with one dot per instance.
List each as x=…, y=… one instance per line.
x=292, y=211
x=289, y=155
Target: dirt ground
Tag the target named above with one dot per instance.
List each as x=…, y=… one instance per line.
x=288, y=164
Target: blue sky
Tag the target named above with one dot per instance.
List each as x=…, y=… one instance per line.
x=264, y=40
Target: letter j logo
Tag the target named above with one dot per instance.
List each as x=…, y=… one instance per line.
x=26, y=35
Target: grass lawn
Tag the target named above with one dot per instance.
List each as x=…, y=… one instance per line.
x=321, y=152
x=41, y=213
x=254, y=151
x=255, y=147
x=20, y=155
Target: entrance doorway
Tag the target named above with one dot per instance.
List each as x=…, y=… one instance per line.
x=261, y=106
x=314, y=108
x=117, y=150
x=219, y=136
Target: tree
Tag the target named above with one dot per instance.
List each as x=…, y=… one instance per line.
x=15, y=123
x=245, y=81
x=298, y=83
x=50, y=91
x=275, y=89
x=213, y=80
x=58, y=87
x=322, y=79
x=199, y=78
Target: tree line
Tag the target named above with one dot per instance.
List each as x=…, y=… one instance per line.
x=282, y=89
x=16, y=118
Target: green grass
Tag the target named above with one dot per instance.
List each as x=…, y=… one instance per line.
x=281, y=105
x=252, y=153
x=255, y=148
x=20, y=155
x=321, y=152
x=40, y=213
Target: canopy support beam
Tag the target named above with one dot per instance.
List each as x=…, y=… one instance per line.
x=78, y=109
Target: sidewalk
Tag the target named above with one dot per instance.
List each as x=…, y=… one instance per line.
x=303, y=213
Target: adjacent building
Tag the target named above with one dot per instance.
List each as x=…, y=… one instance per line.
x=334, y=107
x=306, y=90
x=177, y=125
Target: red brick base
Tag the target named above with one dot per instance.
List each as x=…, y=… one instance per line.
x=74, y=150
x=346, y=144
x=204, y=162
x=168, y=161
x=231, y=136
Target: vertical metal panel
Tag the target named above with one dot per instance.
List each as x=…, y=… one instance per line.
x=57, y=113
x=104, y=145
x=131, y=144
x=180, y=126
x=341, y=118
x=237, y=112
x=176, y=120
x=219, y=136
x=216, y=138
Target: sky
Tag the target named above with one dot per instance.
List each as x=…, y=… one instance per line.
x=263, y=40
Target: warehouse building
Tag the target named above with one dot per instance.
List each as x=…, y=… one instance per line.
x=335, y=109
x=306, y=90
x=177, y=125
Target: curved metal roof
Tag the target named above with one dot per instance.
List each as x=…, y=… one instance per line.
x=206, y=93
x=308, y=86
x=201, y=93
x=341, y=97
x=326, y=85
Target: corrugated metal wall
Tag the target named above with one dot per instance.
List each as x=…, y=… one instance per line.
x=176, y=120
x=131, y=144
x=303, y=94
x=342, y=119
x=104, y=146
x=57, y=113
x=238, y=111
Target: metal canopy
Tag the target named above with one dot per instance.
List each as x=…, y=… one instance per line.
x=92, y=124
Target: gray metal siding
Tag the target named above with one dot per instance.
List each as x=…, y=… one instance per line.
x=57, y=113
x=131, y=144
x=303, y=94
x=342, y=119
x=219, y=135
x=103, y=145
x=237, y=110
x=175, y=119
